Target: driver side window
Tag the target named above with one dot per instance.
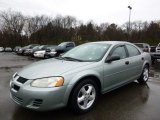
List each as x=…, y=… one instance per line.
x=120, y=51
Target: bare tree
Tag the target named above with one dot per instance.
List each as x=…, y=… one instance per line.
x=33, y=24
x=12, y=22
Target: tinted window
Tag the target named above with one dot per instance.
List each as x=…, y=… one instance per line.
x=133, y=51
x=139, y=45
x=70, y=45
x=120, y=51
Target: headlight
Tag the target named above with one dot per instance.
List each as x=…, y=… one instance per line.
x=48, y=82
x=15, y=75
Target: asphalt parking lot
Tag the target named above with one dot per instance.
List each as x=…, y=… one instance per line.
x=131, y=102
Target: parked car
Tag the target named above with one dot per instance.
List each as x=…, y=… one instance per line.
x=8, y=49
x=79, y=76
x=156, y=54
x=30, y=51
x=22, y=50
x=50, y=52
x=16, y=49
x=62, y=48
x=153, y=49
x=1, y=49
x=147, y=48
x=158, y=48
x=41, y=52
x=143, y=46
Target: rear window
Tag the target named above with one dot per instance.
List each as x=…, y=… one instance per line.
x=139, y=45
x=133, y=51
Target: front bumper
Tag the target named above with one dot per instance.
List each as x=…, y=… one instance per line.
x=40, y=99
x=155, y=55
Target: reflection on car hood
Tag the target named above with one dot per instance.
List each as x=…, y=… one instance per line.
x=50, y=67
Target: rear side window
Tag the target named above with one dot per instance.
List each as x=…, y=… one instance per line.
x=133, y=51
x=70, y=45
x=120, y=51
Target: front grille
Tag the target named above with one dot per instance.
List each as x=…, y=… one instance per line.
x=22, y=80
x=157, y=55
x=15, y=87
x=17, y=99
x=37, y=102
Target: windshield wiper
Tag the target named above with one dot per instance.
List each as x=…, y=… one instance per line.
x=59, y=58
x=72, y=59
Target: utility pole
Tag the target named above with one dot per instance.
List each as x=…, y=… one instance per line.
x=129, y=27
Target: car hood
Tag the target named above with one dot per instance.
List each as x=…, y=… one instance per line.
x=50, y=67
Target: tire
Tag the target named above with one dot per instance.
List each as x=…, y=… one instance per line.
x=84, y=96
x=153, y=61
x=144, y=76
x=46, y=57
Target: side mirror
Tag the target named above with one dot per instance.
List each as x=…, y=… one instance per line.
x=112, y=58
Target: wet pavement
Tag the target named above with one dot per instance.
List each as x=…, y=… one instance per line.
x=131, y=102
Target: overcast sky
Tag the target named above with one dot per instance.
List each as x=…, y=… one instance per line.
x=112, y=11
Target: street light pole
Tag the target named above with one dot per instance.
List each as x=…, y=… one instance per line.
x=129, y=27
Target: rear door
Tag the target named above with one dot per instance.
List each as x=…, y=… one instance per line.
x=136, y=61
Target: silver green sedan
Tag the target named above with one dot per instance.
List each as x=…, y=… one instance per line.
x=79, y=76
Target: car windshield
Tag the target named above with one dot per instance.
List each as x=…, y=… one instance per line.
x=51, y=47
x=41, y=47
x=62, y=44
x=87, y=52
x=36, y=47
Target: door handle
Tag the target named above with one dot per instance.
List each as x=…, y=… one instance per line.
x=127, y=62
x=142, y=58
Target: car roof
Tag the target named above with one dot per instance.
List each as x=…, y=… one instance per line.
x=111, y=42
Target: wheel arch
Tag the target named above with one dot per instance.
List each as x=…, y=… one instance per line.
x=95, y=78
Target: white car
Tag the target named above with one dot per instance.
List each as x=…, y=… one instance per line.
x=1, y=49
x=8, y=49
x=39, y=54
x=158, y=48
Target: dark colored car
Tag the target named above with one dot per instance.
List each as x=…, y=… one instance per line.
x=60, y=49
x=158, y=48
x=30, y=51
x=50, y=52
x=155, y=54
x=153, y=49
x=16, y=49
x=22, y=50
